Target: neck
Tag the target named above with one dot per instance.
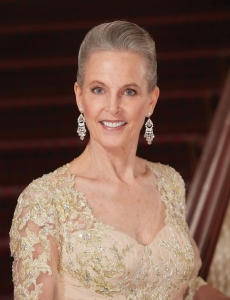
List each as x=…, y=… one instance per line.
x=115, y=164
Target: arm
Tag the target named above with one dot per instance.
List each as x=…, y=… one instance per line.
x=195, y=282
x=207, y=292
x=198, y=288
x=33, y=247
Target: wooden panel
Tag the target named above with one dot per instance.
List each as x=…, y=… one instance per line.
x=210, y=189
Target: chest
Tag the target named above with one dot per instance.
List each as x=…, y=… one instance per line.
x=138, y=211
x=110, y=262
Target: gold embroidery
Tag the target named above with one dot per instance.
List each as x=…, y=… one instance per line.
x=89, y=251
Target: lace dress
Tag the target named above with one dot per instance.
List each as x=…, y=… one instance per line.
x=62, y=251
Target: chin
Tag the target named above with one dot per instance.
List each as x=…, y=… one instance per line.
x=111, y=143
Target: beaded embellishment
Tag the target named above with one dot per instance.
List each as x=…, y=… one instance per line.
x=91, y=252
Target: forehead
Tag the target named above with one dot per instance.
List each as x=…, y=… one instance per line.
x=115, y=66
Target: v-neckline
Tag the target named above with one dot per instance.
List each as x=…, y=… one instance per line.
x=112, y=227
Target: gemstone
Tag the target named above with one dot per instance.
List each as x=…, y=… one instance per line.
x=37, y=207
x=86, y=277
x=30, y=275
x=24, y=246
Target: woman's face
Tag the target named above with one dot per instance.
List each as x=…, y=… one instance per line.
x=115, y=97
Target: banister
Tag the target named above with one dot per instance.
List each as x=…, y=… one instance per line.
x=209, y=191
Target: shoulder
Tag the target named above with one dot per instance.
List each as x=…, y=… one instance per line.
x=39, y=190
x=172, y=188
x=168, y=175
x=38, y=205
x=46, y=183
x=37, y=202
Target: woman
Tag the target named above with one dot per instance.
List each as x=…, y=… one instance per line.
x=109, y=224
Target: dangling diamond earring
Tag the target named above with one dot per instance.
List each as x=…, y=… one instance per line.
x=81, y=130
x=149, y=130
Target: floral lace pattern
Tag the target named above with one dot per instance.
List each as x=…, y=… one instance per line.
x=51, y=211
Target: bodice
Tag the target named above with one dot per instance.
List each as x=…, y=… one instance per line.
x=96, y=260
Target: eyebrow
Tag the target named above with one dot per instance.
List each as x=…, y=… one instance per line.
x=98, y=82
x=129, y=84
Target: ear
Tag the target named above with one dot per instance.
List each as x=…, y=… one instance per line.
x=153, y=97
x=78, y=94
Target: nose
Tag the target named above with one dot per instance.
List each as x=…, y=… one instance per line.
x=113, y=104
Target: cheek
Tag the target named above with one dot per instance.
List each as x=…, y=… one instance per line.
x=138, y=110
x=92, y=107
x=137, y=117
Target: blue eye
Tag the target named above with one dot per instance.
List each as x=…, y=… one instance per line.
x=130, y=92
x=97, y=90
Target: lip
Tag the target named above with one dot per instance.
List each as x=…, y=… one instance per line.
x=112, y=128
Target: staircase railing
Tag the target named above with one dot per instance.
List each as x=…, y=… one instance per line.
x=209, y=191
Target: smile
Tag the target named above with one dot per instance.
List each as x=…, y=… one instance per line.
x=113, y=124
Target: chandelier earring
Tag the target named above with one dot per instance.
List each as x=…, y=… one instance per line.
x=81, y=130
x=149, y=130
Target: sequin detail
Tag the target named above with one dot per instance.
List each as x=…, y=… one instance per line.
x=89, y=251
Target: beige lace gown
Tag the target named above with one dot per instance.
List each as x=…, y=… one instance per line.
x=62, y=251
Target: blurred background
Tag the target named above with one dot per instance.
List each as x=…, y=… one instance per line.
x=39, y=42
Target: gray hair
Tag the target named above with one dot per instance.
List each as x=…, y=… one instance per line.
x=119, y=36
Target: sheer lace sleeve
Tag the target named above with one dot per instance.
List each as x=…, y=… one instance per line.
x=34, y=244
x=195, y=282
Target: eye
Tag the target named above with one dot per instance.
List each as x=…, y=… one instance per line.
x=97, y=90
x=130, y=92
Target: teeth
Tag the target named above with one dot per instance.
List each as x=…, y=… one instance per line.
x=114, y=124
